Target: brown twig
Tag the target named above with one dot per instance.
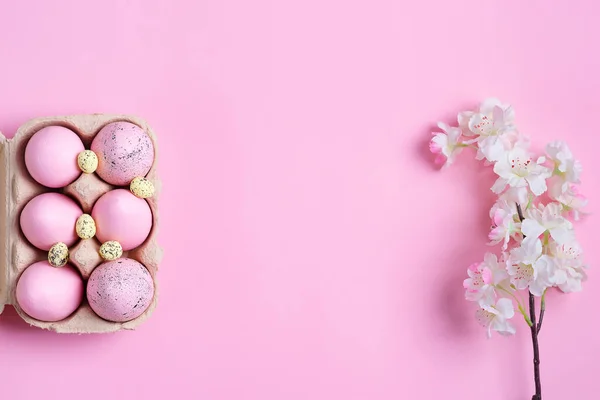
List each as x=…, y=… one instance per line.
x=536, y=350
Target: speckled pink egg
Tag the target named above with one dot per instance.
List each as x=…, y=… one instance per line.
x=121, y=216
x=50, y=218
x=47, y=293
x=51, y=156
x=120, y=290
x=124, y=151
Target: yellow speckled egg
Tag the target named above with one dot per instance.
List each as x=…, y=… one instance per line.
x=111, y=250
x=58, y=256
x=85, y=226
x=87, y=161
x=142, y=187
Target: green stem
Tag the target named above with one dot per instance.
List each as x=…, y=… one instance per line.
x=542, y=309
x=524, y=313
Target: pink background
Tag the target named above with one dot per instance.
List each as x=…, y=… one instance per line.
x=312, y=251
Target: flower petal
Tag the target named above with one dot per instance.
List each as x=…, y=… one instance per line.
x=483, y=317
x=499, y=185
x=531, y=228
x=537, y=184
x=516, y=195
x=562, y=235
x=463, y=119
x=443, y=126
x=537, y=288
x=492, y=148
x=504, y=328
x=506, y=308
x=487, y=105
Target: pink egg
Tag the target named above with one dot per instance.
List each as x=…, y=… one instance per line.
x=121, y=216
x=47, y=293
x=120, y=290
x=50, y=218
x=51, y=156
x=124, y=152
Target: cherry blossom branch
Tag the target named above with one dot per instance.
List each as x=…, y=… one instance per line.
x=539, y=249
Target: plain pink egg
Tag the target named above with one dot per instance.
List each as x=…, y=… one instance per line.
x=120, y=290
x=51, y=156
x=121, y=216
x=49, y=294
x=124, y=152
x=50, y=218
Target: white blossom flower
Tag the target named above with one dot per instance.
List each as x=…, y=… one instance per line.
x=446, y=145
x=565, y=165
x=569, y=270
x=516, y=169
x=529, y=268
x=505, y=223
x=547, y=218
x=496, y=317
x=571, y=200
x=493, y=118
x=483, y=278
x=493, y=127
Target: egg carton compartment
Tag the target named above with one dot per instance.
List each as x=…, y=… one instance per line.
x=17, y=253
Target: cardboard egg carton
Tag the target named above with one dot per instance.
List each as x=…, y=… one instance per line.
x=16, y=253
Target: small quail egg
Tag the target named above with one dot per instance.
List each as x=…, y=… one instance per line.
x=111, y=250
x=142, y=187
x=85, y=226
x=87, y=161
x=58, y=256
